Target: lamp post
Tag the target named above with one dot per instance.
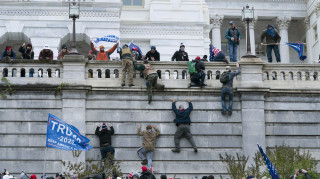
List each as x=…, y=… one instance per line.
x=248, y=15
x=74, y=12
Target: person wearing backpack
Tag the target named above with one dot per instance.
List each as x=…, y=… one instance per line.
x=197, y=76
x=226, y=78
x=233, y=35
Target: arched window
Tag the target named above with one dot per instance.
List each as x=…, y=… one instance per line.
x=90, y=73
x=107, y=72
x=22, y=72
x=5, y=72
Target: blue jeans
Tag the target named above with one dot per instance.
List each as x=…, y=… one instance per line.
x=146, y=154
x=198, y=78
x=276, y=52
x=233, y=52
x=224, y=92
x=220, y=57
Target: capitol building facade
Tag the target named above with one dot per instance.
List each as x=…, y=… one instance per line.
x=163, y=23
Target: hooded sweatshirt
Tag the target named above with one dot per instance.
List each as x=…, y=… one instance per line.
x=182, y=116
x=104, y=55
x=27, y=54
x=149, y=138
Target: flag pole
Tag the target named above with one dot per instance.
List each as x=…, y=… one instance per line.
x=45, y=160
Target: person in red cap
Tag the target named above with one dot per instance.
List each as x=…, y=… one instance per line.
x=136, y=55
x=105, y=140
x=197, y=79
x=148, y=145
x=33, y=177
x=8, y=53
x=145, y=174
x=92, y=55
x=103, y=55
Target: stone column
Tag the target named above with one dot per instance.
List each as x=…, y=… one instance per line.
x=216, y=22
x=283, y=24
x=74, y=69
x=309, y=40
x=252, y=93
x=316, y=56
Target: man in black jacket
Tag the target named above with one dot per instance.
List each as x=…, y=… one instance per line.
x=105, y=140
x=145, y=174
x=152, y=55
x=180, y=55
x=182, y=121
x=198, y=78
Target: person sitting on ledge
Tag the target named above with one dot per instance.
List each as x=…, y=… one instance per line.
x=104, y=55
x=180, y=55
x=26, y=50
x=8, y=53
x=197, y=79
x=63, y=52
x=218, y=55
x=46, y=53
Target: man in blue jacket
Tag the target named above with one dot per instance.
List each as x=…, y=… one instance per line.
x=182, y=121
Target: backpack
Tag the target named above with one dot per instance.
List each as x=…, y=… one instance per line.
x=225, y=77
x=192, y=68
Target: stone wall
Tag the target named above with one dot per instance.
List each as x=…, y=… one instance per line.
x=270, y=108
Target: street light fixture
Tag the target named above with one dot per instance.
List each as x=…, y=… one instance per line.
x=248, y=15
x=74, y=13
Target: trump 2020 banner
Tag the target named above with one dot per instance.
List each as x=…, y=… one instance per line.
x=61, y=135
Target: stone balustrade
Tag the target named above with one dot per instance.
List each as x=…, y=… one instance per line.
x=172, y=74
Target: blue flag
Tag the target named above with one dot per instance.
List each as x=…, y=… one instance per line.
x=132, y=45
x=211, y=53
x=299, y=48
x=61, y=135
x=272, y=170
x=108, y=38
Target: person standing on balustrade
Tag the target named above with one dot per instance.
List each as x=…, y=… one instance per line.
x=272, y=39
x=127, y=64
x=180, y=55
x=233, y=35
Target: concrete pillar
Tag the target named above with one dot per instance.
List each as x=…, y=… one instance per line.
x=252, y=37
x=316, y=56
x=252, y=93
x=283, y=24
x=74, y=69
x=309, y=40
x=74, y=113
x=216, y=22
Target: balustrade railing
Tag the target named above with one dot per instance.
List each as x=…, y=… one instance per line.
x=22, y=71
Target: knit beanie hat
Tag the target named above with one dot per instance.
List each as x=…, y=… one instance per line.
x=144, y=168
x=104, y=126
x=182, y=45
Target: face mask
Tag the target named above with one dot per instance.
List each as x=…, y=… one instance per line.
x=149, y=130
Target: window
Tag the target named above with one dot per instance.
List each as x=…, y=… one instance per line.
x=132, y=2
